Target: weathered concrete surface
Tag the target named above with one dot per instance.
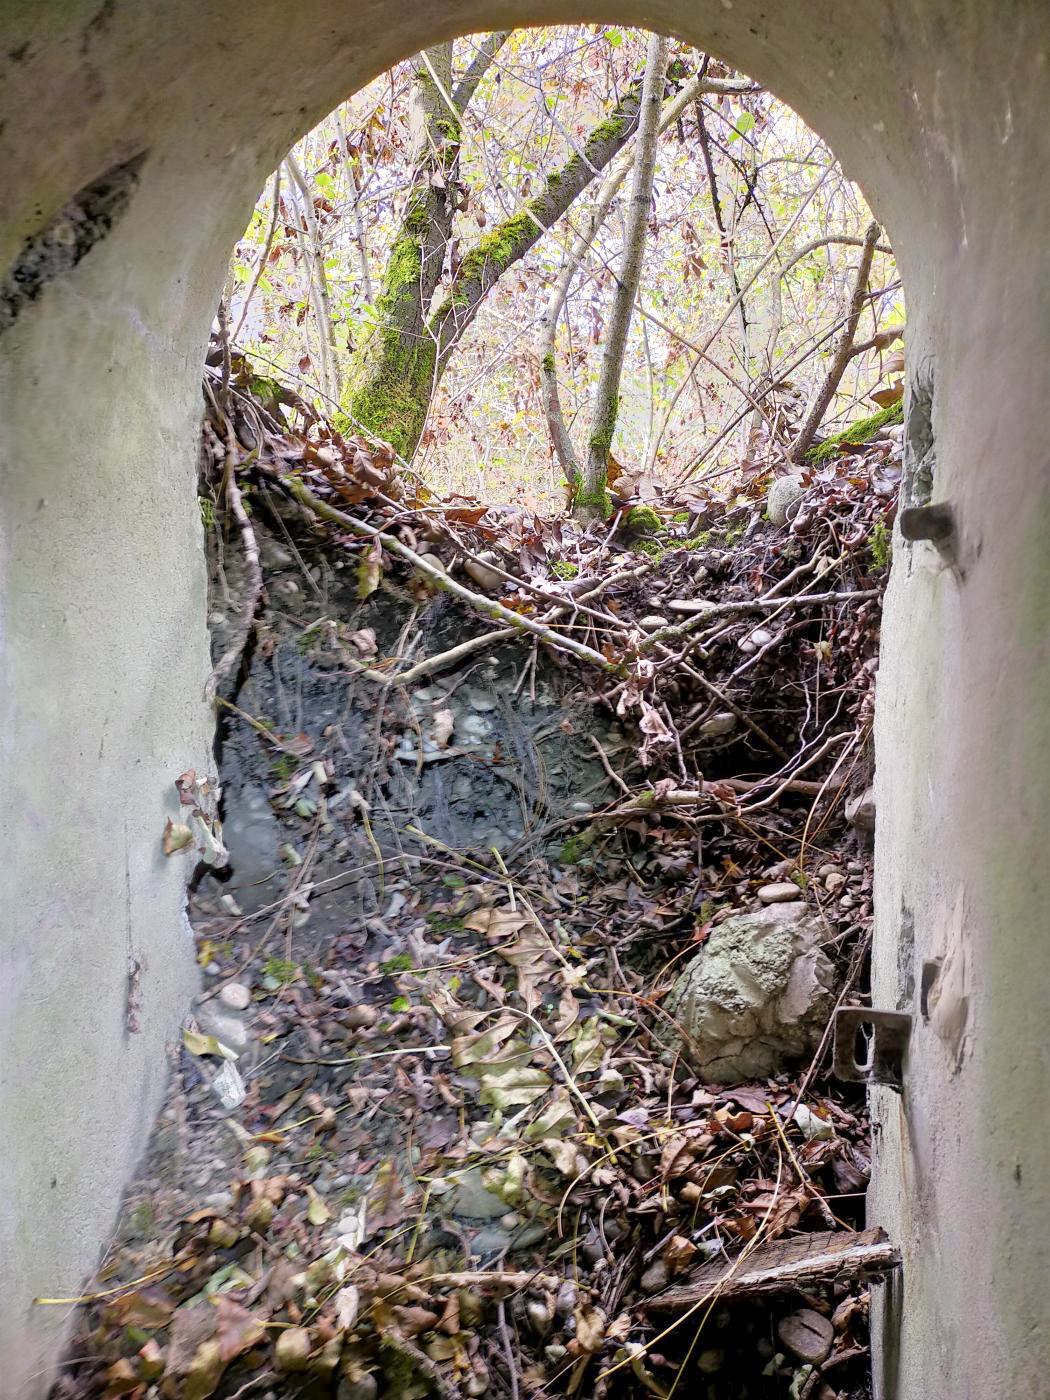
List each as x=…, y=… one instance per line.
x=938, y=108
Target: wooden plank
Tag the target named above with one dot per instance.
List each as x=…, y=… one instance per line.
x=801, y=1262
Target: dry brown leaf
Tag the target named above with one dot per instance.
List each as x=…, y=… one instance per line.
x=239, y=1330
x=530, y=956
x=443, y=724
x=497, y=923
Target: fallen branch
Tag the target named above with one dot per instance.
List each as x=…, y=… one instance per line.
x=785, y=1265
x=233, y=653
x=434, y=663
x=745, y=607
x=488, y=606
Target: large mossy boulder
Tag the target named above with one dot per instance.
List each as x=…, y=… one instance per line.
x=757, y=997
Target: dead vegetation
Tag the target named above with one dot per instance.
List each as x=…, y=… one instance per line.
x=442, y=1140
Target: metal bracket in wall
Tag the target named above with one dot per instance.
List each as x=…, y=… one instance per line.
x=936, y=524
x=870, y=1046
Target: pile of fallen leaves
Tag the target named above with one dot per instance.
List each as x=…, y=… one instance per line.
x=470, y=1159
x=521, y=1069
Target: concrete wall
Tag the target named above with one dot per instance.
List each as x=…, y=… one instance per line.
x=938, y=108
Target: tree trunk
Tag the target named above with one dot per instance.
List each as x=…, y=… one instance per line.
x=592, y=500
x=561, y=441
x=402, y=363
x=316, y=279
x=391, y=376
x=843, y=351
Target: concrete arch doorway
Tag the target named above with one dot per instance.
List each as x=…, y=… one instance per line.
x=133, y=138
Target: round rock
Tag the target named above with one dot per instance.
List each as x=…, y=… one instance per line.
x=782, y=495
x=236, y=996
x=782, y=892
x=807, y=1334
x=757, y=995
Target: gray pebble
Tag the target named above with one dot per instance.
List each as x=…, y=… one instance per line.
x=236, y=996
x=779, y=893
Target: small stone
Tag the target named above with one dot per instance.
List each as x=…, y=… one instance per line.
x=860, y=810
x=651, y=621
x=433, y=560
x=230, y=905
x=540, y=1315
x=834, y=882
x=807, y=1334
x=781, y=496
x=472, y=1199
x=566, y=1299
x=779, y=893
x=483, y=575
x=227, y=1027
x=236, y=996
x=709, y=1362
x=826, y=870
x=274, y=555
x=761, y=636
x=361, y=1017
x=718, y=725
x=582, y=807
x=656, y=1277
x=846, y=902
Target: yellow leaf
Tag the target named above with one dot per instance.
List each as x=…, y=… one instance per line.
x=198, y=1044
x=317, y=1212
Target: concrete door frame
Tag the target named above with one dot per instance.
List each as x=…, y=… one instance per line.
x=134, y=136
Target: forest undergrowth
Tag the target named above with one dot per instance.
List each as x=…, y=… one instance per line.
x=444, y=1139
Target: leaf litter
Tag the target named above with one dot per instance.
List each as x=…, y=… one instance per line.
x=466, y=1151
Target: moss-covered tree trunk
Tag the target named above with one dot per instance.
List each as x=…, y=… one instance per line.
x=592, y=499
x=391, y=376
x=394, y=375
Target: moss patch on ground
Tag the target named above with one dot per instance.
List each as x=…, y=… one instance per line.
x=861, y=431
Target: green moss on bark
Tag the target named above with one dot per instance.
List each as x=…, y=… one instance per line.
x=593, y=503
x=492, y=256
x=390, y=393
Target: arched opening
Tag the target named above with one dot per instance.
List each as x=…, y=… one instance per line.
x=100, y=371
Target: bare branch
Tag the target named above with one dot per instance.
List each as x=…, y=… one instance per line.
x=841, y=357
x=467, y=86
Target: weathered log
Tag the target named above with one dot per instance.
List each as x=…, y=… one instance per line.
x=802, y=1262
